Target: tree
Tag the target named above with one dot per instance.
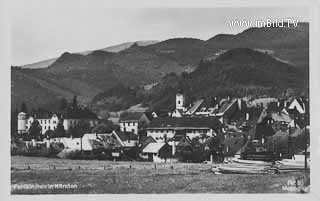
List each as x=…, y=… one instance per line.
x=105, y=127
x=14, y=121
x=35, y=130
x=59, y=131
x=80, y=129
x=74, y=102
x=63, y=104
x=49, y=134
x=23, y=107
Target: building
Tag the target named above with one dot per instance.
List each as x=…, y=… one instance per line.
x=22, y=127
x=126, y=139
x=50, y=120
x=132, y=122
x=224, y=109
x=166, y=128
x=158, y=152
x=90, y=142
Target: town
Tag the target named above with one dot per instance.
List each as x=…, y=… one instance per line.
x=218, y=130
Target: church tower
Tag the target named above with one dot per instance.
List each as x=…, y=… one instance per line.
x=180, y=100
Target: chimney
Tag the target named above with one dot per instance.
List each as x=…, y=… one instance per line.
x=285, y=104
x=278, y=104
x=247, y=116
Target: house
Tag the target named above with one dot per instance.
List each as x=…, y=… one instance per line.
x=158, y=152
x=126, y=139
x=132, y=122
x=166, y=128
x=160, y=113
x=90, y=142
x=145, y=141
x=182, y=148
x=49, y=120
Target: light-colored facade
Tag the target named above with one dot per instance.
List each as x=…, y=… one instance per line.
x=22, y=127
x=49, y=123
x=180, y=101
x=159, y=133
x=129, y=126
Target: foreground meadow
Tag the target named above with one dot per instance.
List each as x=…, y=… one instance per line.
x=135, y=177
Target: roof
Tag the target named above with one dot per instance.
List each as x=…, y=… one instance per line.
x=146, y=140
x=210, y=107
x=129, y=116
x=125, y=136
x=195, y=106
x=304, y=103
x=80, y=113
x=280, y=117
x=153, y=147
x=134, y=116
x=186, y=122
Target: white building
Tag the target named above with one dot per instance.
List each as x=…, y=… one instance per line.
x=22, y=127
x=180, y=101
x=191, y=127
x=129, y=126
x=132, y=122
x=50, y=121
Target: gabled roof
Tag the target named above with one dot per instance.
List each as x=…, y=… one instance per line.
x=125, y=136
x=147, y=140
x=81, y=113
x=161, y=113
x=131, y=116
x=153, y=147
x=195, y=106
x=280, y=117
x=210, y=107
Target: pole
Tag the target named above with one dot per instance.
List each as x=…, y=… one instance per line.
x=305, y=149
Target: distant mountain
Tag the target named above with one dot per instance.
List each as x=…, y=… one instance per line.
x=237, y=72
x=40, y=64
x=200, y=67
x=115, y=48
x=123, y=46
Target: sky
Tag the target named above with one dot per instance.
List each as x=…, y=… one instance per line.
x=43, y=29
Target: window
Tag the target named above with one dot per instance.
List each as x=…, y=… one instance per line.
x=54, y=122
x=132, y=130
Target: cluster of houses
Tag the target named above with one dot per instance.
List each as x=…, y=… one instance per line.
x=160, y=136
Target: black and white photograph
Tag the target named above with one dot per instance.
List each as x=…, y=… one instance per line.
x=159, y=99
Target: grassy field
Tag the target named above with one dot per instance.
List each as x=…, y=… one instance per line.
x=135, y=177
